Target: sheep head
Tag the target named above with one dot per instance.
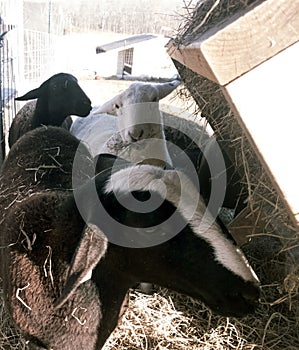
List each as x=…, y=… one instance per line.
x=138, y=93
x=60, y=95
x=140, y=121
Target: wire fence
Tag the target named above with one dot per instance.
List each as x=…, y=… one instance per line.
x=35, y=60
x=7, y=88
x=10, y=28
x=39, y=54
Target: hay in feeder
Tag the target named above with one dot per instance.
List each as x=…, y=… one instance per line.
x=203, y=15
x=263, y=201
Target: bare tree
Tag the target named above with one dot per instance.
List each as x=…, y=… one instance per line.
x=122, y=16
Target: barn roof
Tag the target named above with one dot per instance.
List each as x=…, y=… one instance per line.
x=124, y=42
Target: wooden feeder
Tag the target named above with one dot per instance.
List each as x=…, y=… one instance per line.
x=251, y=63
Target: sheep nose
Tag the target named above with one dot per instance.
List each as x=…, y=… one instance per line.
x=252, y=294
x=135, y=135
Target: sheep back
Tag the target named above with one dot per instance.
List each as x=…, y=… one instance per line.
x=42, y=160
x=22, y=122
x=40, y=231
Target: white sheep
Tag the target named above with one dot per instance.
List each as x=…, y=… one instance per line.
x=133, y=115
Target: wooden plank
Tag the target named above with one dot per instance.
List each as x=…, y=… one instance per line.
x=234, y=47
x=192, y=57
x=266, y=103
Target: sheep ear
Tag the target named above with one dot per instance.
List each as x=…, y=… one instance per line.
x=109, y=107
x=166, y=88
x=35, y=93
x=30, y=95
x=91, y=249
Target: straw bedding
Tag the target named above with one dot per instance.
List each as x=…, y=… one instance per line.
x=167, y=320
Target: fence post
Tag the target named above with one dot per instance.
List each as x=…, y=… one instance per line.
x=2, y=141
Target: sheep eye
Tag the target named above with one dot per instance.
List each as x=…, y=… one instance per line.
x=116, y=106
x=66, y=83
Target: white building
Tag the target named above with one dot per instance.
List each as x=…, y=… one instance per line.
x=138, y=55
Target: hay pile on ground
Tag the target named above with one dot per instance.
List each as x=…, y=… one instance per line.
x=167, y=320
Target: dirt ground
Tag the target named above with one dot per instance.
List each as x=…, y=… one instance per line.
x=100, y=91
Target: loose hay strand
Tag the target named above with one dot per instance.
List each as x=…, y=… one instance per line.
x=73, y=314
x=49, y=261
x=20, y=299
x=214, y=5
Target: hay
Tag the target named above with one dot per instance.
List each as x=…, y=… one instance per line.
x=202, y=15
x=168, y=320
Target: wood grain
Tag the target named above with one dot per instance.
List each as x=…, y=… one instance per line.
x=265, y=101
x=241, y=43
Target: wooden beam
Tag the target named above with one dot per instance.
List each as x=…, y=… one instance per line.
x=265, y=101
x=241, y=43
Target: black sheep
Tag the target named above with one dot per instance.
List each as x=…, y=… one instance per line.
x=57, y=98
